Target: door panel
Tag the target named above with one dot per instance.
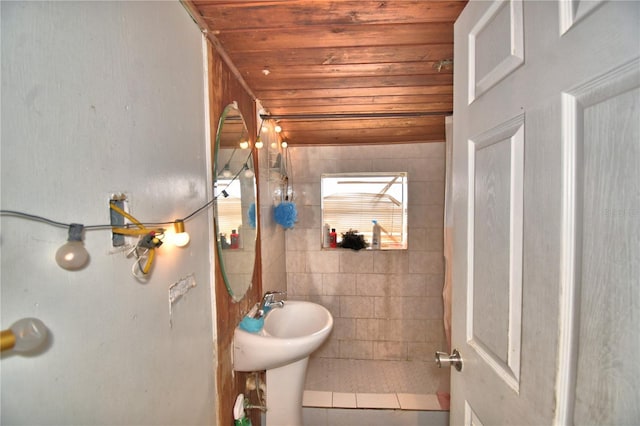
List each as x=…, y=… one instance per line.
x=494, y=288
x=601, y=305
x=495, y=46
x=546, y=258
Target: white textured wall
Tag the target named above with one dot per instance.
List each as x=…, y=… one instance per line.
x=99, y=97
x=387, y=305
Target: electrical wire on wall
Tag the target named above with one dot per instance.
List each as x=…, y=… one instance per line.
x=151, y=235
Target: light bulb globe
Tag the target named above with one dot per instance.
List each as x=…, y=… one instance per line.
x=244, y=144
x=180, y=239
x=30, y=333
x=259, y=144
x=226, y=172
x=72, y=256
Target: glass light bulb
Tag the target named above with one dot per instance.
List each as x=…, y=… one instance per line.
x=226, y=172
x=72, y=256
x=284, y=144
x=29, y=334
x=259, y=144
x=180, y=239
x=244, y=144
x=248, y=173
x=278, y=129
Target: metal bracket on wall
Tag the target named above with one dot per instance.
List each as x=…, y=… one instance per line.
x=117, y=220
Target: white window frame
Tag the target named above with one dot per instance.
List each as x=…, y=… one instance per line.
x=362, y=190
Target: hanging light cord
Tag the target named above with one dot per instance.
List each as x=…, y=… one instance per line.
x=260, y=126
x=289, y=178
x=109, y=226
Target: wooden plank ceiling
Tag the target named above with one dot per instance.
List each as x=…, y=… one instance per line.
x=341, y=72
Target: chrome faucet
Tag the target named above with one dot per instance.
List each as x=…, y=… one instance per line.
x=269, y=301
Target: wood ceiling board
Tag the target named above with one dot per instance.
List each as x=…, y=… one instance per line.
x=359, y=100
x=253, y=40
x=317, y=139
x=443, y=107
x=225, y=15
x=355, y=124
x=345, y=55
x=284, y=83
x=354, y=92
x=344, y=71
x=378, y=133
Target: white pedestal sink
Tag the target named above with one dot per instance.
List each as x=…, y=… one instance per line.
x=290, y=334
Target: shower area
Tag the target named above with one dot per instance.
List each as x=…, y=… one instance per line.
x=387, y=305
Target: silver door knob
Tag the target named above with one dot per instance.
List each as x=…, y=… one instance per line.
x=445, y=360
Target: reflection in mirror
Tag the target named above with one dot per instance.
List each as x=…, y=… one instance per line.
x=235, y=206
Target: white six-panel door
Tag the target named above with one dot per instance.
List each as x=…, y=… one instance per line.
x=546, y=198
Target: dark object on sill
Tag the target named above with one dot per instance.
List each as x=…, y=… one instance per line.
x=352, y=240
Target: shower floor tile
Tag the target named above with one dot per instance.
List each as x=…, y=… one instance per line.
x=374, y=376
x=410, y=401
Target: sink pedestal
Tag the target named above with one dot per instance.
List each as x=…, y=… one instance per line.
x=285, y=386
x=289, y=335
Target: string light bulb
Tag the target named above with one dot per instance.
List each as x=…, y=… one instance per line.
x=24, y=335
x=244, y=144
x=181, y=237
x=72, y=255
x=259, y=144
x=277, y=128
x=226, y=171
x=284, y=144
x=248, y=173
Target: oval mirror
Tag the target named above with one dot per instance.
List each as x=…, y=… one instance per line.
x=235, y=203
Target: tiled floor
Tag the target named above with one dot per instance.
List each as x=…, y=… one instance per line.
x=345, y=383
x=372, y=376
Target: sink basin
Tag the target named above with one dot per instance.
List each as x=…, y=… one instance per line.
x=290, y=333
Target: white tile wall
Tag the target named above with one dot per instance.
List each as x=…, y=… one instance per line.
x=387, y=305
x=275, y=261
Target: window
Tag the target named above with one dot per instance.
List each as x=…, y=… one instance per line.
x=352, y=201
x=229, y=208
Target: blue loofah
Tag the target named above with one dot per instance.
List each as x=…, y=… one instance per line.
x=286, y=214
x=252, y=325
x=252, y=215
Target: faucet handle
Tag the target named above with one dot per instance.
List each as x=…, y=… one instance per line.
x=269, y=299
